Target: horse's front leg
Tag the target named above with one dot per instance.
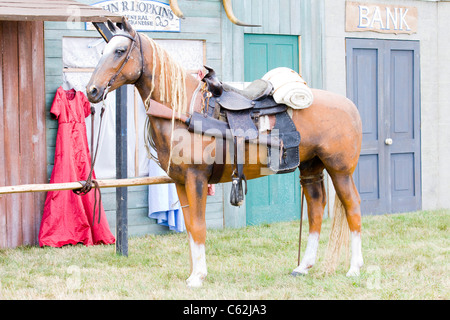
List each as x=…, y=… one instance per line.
x=192, y=197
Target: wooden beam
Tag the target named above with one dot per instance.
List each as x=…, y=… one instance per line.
x=39, y=119
x=107, y=183
x=11, y=133
x=3, y=224
x=27, y=174
x=49, y=10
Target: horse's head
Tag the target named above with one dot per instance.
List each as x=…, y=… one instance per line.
x=120, y=64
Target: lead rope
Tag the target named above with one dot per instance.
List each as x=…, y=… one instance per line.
x=302, y=198
x=87, y=185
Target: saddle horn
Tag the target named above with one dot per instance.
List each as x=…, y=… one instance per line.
x=214, y=84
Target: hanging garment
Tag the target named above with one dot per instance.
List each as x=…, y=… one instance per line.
x=163, y=203
x=67, y=217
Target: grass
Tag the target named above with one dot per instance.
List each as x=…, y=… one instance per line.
x=406, y=257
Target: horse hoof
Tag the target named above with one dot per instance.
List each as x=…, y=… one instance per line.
x=353, y=272
x=194, y=282
x=299, y=272
x=295, y=273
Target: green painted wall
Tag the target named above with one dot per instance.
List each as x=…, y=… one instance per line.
x=205, y=20
x=202, y=22
x=303, y=18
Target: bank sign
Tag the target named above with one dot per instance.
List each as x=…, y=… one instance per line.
x=380, y=18
x=143, y=15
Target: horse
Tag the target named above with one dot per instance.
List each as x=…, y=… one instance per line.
x=331, y=134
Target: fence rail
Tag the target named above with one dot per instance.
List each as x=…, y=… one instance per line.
x=107, y=183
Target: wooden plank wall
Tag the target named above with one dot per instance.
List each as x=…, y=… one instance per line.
x=22, y=129
x=202, y=22
x=3, y=232
x=303, y=18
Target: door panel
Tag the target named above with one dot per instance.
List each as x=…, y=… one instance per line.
x=404, y=105
x=277, y=197
x=367, y=183
x=383, y=81
x=364, y=80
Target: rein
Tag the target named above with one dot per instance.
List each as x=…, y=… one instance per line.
x=87, y=185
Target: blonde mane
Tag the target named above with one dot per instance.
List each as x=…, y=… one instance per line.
x=172, y=91
x=172, y=80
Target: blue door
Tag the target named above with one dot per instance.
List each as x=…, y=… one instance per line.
x=277, y=197
x=383, y=81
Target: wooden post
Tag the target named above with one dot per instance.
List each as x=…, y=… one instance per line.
x=121, y=172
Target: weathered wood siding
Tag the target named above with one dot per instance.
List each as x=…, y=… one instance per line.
x=303, y=18
x=202, y=22
x=22, y=129
x=224, y=45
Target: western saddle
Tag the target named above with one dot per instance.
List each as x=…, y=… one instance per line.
x=236, y=114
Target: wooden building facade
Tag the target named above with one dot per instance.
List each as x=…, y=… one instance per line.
x=23, y=113
x=310, y=36
x=390, y=58
x=296, y=24
x=224, y=50
x=22, y=128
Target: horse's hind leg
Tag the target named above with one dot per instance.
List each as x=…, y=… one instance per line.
x=348, y=194
x=192, y=197
x=315, y=195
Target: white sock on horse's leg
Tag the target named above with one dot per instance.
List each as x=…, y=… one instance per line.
x=357, y=260
x=198, y=259
x=309, y=259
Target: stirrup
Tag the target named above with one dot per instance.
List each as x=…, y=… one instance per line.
x=237, y=192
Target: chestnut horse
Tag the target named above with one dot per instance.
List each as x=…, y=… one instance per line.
x=330, y=139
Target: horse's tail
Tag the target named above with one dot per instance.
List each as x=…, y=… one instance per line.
x=339, y=236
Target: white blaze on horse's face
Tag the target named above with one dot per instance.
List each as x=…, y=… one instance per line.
x=113, y=64
x=116, y=49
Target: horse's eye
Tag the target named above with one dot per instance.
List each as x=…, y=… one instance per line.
x=120, y=51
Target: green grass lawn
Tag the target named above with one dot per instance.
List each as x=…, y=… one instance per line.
x=406, y=257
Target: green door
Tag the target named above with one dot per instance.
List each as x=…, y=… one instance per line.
x=277, y=197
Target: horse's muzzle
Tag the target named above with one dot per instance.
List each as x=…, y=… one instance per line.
x=94, y=94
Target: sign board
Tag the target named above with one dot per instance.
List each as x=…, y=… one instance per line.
x=380, y=18
x=143, y=15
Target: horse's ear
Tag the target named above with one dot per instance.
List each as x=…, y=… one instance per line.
x=111, y=26
x=126, y=26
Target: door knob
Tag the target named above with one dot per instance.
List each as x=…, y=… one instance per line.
x=388, y=141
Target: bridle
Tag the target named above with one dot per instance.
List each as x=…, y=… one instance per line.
x=125, y=61
x=87, y=185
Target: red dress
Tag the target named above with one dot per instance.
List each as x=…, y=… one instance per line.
x=67, y=217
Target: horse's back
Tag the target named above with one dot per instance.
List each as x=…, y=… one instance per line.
x=335, y=102
x=330, y=127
